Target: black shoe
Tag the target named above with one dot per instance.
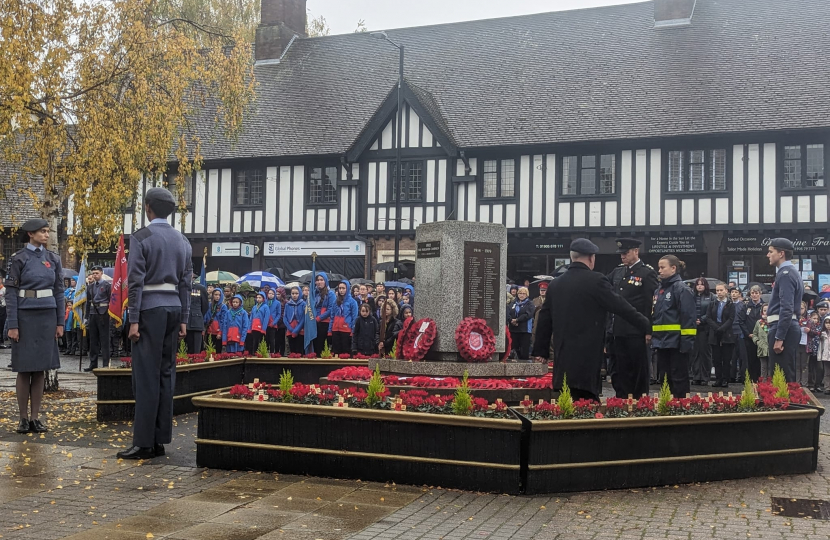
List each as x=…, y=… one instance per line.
x=136, y=452
x=90, y=368
x=159, y=449
x=36, y=426
x=4, y=346
x=23, y=426
x=724, y=384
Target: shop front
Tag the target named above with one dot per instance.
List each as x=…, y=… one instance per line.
x=744, y=258
x=346, y=257
x=528, y=257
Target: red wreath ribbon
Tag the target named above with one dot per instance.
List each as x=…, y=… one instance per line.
x=475, y=340
x=416, y=344
x=508, y=344
x=407, y=324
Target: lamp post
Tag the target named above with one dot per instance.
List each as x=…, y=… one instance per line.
x=398, y=171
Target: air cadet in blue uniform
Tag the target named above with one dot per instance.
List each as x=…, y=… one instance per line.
x=635, y=281
x=35, y=311
x=784, y=307
x=159, y=281
x=98, y=319
x=196, y=325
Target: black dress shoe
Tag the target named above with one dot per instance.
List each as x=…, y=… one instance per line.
x=136, y=452
x=23, y=426
x=36, y=426
x=90, y=368
x=159, y=449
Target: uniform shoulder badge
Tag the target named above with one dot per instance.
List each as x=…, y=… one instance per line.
x=649, y=266
x=668, y=296
x=785, y=272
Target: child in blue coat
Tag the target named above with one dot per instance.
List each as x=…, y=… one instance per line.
x=236, y=327
x=275, y=309
x=294, y=319
x=260, y=317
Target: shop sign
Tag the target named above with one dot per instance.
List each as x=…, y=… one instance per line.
x=674, y=243
x=803, y=243
x=225, y=249
x=538, y=245
x=323, y=248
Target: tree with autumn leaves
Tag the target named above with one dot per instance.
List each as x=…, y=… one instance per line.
x=94, y=94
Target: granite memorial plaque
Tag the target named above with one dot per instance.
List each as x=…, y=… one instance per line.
x=428, y=250
x=482, y=284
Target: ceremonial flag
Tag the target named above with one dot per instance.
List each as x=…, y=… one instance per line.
x=310, y=321
x=79, y=298
x=118, y=298
x=203, y=275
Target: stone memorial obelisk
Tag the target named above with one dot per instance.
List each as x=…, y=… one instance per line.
x=460, y=271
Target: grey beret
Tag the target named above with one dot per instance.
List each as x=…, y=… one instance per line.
x=34, y=224
x=782, y=243
x=161, y=195
x=584, y=246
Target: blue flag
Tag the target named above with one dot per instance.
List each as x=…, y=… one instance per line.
x=79, y=298
x=202, y=276
x=310, y=327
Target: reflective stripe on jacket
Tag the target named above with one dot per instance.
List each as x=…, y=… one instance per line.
x=675, y=316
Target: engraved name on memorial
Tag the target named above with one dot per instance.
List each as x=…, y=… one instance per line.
x=482, y=287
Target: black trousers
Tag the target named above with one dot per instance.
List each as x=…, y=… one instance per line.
x=279, y=340
x=99, y=339
x=341, y=343
x=296, y=344
x=787, y=358
x=819, y=380
x=700, y=360
x=721, y=357
x=521, y=344
x=752, y=362
x=322, y=337
x=193, y=340
x=631, y=370
x=2, y=324
x=675, y=365
x=256, y=339
x=154, y=375
x=577, y=394
x=738, y=365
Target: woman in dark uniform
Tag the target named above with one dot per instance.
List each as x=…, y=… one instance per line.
x=35, y=310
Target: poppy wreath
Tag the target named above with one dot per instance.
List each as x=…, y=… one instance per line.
x=407, y=324
x=416, y=344
x=475, y=340
x=508, y=344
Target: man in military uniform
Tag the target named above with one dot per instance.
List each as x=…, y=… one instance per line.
x=784, y=307
x=196, y=323
x=97, y=319
x=578, y=333
x=636, y=282
x=159, y=281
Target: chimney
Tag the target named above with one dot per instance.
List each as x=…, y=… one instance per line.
x=672, y=13
x=280, y=21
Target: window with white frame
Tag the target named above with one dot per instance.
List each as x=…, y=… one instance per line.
x=594, y=174
x=322, y=185
x=498, y=178
x=696, y=170
x=248, y=187
x=803, y=166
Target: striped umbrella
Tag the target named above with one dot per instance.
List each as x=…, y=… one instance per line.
x=220, y=276
x=258, y=279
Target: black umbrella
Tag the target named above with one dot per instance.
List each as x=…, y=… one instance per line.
x=361, y=281
x=809, y=296
x=306, y=279
x=389, y=266
x=764, y=287
x=533, y=288
x=69, y=273
x=277, y=271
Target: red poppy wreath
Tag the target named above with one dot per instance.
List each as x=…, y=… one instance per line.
x=475, y=340
x=407, y=324
x=508, y=344
x=418, y=339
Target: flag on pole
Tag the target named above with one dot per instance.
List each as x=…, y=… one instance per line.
x=118, y=298
x=203, y=275
x=79, y=298
x=310, y=327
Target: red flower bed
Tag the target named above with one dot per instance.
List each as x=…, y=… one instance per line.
x=475, y=340
x=350, y=373
x=355, y=373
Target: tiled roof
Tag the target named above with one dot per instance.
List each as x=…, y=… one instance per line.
x=18, y=193
x=582, y=75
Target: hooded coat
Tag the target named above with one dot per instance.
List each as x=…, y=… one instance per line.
x=324, y=302
x=236, y=326
x=823, y=352
x=275, y=311
x=215, y=317
x=293, y=316
x=344, y=315
x=365, y=336
x=260, y=315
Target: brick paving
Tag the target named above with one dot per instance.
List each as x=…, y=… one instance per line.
x=68, y=484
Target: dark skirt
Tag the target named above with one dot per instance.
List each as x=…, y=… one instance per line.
x=37, y=349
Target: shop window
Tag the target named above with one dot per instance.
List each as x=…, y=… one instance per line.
x=248, y=187
x=412, y=180
x=498, y=178
x=589, y=175
x=322, y=185
x=187, y=195
x=803, y=166
x=696, y=170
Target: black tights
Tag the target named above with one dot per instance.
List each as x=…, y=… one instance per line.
x=30, y=385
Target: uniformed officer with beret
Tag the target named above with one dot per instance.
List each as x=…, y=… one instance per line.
x=574, y=315
x=784, y=307
x=636, y=282
x=196, y=324
x=35, y=317
x=159, y=282
x=98, y=319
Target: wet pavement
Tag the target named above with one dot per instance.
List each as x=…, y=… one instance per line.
x=68, y=484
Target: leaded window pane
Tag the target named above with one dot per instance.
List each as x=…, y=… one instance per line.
x=242, y=187
x=792, y=166
x=815, y=165
x=719, y=170
x=697, y=171
x=606, y=175
x=255, y=186
x=315, y=185
x=588, y=185
x=491, y=178
x=569, y=173
x=676, y=171
x=508, y=178
x=330, y=185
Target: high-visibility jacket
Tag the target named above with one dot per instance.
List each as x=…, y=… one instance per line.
x=675, y=316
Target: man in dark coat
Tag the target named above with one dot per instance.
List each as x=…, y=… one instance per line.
x=636, y=282
x=196, y=322
x=98, y=319
x=574, y=313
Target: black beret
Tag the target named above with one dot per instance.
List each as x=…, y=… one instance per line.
x=823, y=304
x=97, y=267
x=624, y=244
x=161, y=195
x=782, y=243
x=584, y=246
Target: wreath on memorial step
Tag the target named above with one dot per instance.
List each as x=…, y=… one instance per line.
x=508, y=344
x=475, y=340
x=418, y=338
x=402, y=337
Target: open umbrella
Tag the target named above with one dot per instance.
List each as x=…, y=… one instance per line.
x=300, y=273
x=809, y=296
x=220, y=276
x=277, y=271
x=764, y=288
x=389, y=266
x=306, y=279
x=258, y=279
x=533, y=288
x=361, y=281
x=542, y=278
x=69, y=273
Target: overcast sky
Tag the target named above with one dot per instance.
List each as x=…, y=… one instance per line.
x=342, y=15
